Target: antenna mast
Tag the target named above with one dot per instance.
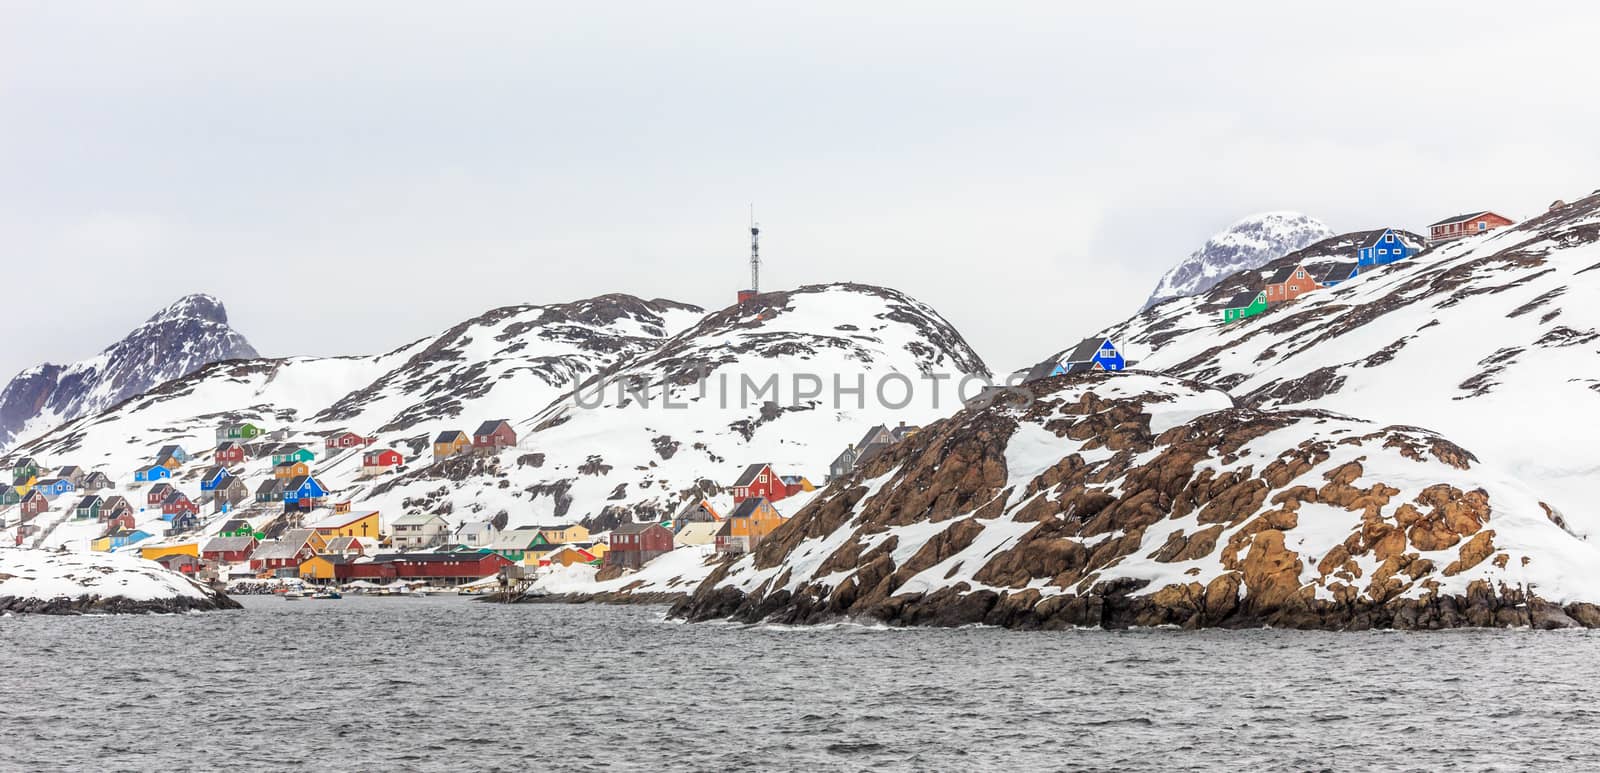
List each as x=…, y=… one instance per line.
x=755, y=252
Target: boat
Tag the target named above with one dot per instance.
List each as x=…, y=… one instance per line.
x=291, y=595
x=327, y=594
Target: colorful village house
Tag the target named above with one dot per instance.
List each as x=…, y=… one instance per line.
x=241, y=431
x=71, y=473
x=697, y=511
x=114, y=505
x=158, y=494
x=24, y=471
x=229, y=496
x=54, y=487
x=182, y=563
x=282, y=557
x=154, y=552
x=291, y=470
x=347, y=440
x=96, y=482
x=1468, y=224
x=120, y=538
x=230, y=550
x=1331, y=275
x=1091, y=354
x=33, y=504
x=759, y=481
x=493, y=435
x=415, y=531
x=350, y=546
x=1244, y=304
x=230, y=452
x=362, y=523
x=214, y=478
x=635, y=544
x=9, y=496
x=747, y=526
x=567, y=555
x=564, y=532
x=114, y=520
x=270, y=490
x=795, y=484
x=325, y=568
x=88, y=507
x=296, y=454
x=152, y=473
x=477, y=534
x=1289, y=283
x=515, y=544
x=374, y=463
x=177, y=502
x=449, y=443
x=1382, y=247
x=697, y=533
x=173, y=453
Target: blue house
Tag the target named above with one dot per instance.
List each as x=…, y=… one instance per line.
x=154, y=472
x=214, y=478
x=1385, y=246
x=124, y=537
x=173, y=452
x=54, y=487
x=1089, y=354
x=1333, y=274
x=304, y=487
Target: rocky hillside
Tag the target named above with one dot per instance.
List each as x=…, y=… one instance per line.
x=176, y=341
x=1477, y=339
x=1249, y=243
x=1132, y=499
x=71, y=583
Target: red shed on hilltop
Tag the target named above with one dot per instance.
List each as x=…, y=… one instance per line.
x=635, y=544
x=348, y=440
x=494, y=434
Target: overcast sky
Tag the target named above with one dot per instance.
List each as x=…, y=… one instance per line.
x=351, y=176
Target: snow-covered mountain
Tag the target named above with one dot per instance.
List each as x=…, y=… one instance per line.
x=1247, y=244
x=1136, y=499
x=191, y=333
x=596, y=455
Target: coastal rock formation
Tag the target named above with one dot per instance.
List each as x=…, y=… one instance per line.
x=1142, y=500
x=63, y=583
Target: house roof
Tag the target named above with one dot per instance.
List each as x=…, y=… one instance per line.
x=514, y=539
x=48, y=482
x=67, y=470
x=747, y=508
x=634, y=527
x=475, y=526
x=88, y=501
x=1043, y=370
x=175, y=496
x=749, y=475
x=489, y=427
x=169, y=450
x=700, y=529
x=344, y=544
x=1459, y=218
x=1242, y=299
x=285, y=546
x=415, y=519
x=449, y=436
x=342, y=519
x=1282, y=275
x=161, y=487
x=270, y=485
x=1336, y=272
x=866, y=439
x=236, y=524
x=227, y=444
x=697, y=504
x=300, y=480
x=1085, y=350
x=228, y=544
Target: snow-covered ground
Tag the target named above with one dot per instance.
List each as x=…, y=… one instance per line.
x=49, y=574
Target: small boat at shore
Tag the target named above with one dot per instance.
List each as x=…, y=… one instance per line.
x=327, y=594
x=291, y=595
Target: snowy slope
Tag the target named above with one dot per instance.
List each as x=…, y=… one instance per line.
x=1491, y=340
x=1247, y=244
x=1135, y=499
x=189, y=334
x=30, y=580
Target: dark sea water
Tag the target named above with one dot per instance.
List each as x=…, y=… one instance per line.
x=446, y=683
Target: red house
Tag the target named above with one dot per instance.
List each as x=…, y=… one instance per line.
x=230, y=452
x=158, y=494
x=635, y=544
x=286, y=553
x=33, y=504
x=178, y=502
x=494, y=435
x=229, y=549
x=438, y=568
x=120, y=519
x=1289, y=283
x=380, y=460
x=1468, y=224
x=758, y=480
x=349, y=440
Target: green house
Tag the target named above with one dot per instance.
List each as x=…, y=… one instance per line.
x=89, y=507
x=24, y=471
x=297, y=455
x=1245, y=304
x=9, y=495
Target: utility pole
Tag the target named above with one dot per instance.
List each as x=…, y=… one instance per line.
x=755, y=252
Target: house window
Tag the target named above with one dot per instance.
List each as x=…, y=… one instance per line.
x=1482, y=225
x=1389, y=238
x=1382, y=251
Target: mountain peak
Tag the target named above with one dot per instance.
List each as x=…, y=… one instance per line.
x=1249, y=243
x=193, y=306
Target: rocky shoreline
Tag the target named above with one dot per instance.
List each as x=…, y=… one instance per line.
x=114, y=605
x=50, y=582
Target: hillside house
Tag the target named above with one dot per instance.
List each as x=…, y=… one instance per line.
x=351, y=546
x=1090, y=354
x=33, y=504
x=291, y=470
x=282, y=557
x=361, y=523
x=270, y=490
x=24, y=471
x=88, y=507
x=230, y=452
x=416, y=531
x=9, y=495
x=746, y=526
x=1289, y=283
x=1331, y=275
x=175, y=453
x=182, y=563
x=156, y=552
x=759, y=481
x=239, y=527
x=294, y=454
x=158, y=494
x=304, y=493
x=632, y=545
x=152, y=473
x=844, y=463
x=698, y=511
x=1467, y=224
x=227, y=497
x=449, y=443
x=453, y=568
x=214, y=477
x=1244, y=304
x=477, y=534
x=795, y=484
x=564, y=532
x=230, y=550
x=121, y=539
x=116, y=519
x=54, y=487
x=326, y=568
x=697, y=533
x=110, y=506
x=243, y=430
x=494, y=435
x=1382, y=247
x=95, y=482
x=515, y=544
x=567, y=555
x=347, y=440
x=178, y=503
x=71, y=473
x=374, y=463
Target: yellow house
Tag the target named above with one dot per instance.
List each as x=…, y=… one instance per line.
x=449, y=443
x=598, y=549
x=537, y=554
x=749, y=523
x=567, y=532
x=348, y=524
x=157, y=551
x=569, y=555
x=171, y=463
x=24, y=488
x=102, y=545
x=291, y=470
x=321, y=568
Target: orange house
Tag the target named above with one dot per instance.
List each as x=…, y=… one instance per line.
x=1289, y=283
x=291, y=470
x=747, y=526
x=568, y=556
x=449, y=443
